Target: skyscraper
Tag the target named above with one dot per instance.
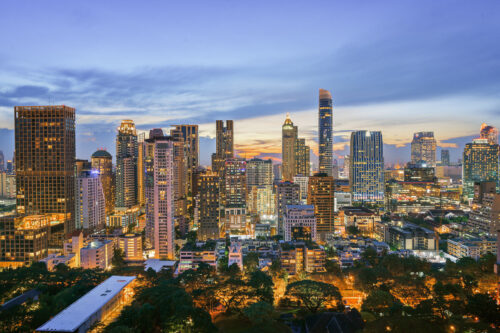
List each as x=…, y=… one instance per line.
x=45, y=163
x=90, y=204
x=141, y=170
x=126, y=165
x=260, y=187
x=321, y=196
x=224, y=145
x=189, y=133
x=489, y=133
x=423, y=148
x=480, y=164
x=208, y=206
x=288, y=137
x=366, y=174
x=445, y=157
x=235, y=192
x=287, y=193
x=159, y=194
x=2, y=162
x=180, y=173
x=294, y=152
x=102, y=162
x=325, y=132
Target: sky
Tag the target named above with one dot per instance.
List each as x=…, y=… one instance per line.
x=395, y=66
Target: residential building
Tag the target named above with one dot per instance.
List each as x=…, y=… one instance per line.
x=321, y=196
x=484, y=216
x=90, y=203
x=123, y=217
x=102, y=163
x=55, y=259
x=480, y=164
x=208, y=206
x=296, y=257
x=411, y=237
x=303, y=182
x=189, y=134
x=45, y=164
x=366, y=174
x=235, y=255
x=325, y=129
x=445, y=157
x=362, y=218
x=73, y=245
x=342, y=199
x=224, y=141
x=159, y=191
x=294, y=151
x=259, y=177
x=126, y=165
x=235, y=193
x=7, y=185
x=191, y=255
x=97, y=254
x=300, y=223
x=473, y=248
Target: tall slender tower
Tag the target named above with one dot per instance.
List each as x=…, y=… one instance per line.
x=45, y=163
x=288, y=138
x=325, y=132
x=126, y=165
x=189, y=134
x=224, y=145
x=159, y=193
x=102, y=162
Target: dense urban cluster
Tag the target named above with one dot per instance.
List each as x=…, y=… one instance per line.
x=156, y=242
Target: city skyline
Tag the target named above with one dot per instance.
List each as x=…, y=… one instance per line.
x=216, y=77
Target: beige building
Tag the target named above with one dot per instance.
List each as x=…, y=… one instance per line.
x=97, y=254
x=131, y=245
x=474, y=248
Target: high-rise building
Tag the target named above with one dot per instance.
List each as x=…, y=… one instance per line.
x=480, y=164
x=126, y=165
x=2, y=162
x=366, y=174
x=90, y=205
x=288, y=138
x=287, y=193
x=141, y=170
x=180, y=173
x=102, y=163
x=445, y=157
x=224, y=141
x=294, y=151
x=189, y=134
x=208, y=206
x=260, y=187
x=277, y=171
x=325, y=129
x=489, y=133
x=304, y=187
x=423, y=148
x=235, y=192
x=321, y=196
x=45, y=164
x=159, y=194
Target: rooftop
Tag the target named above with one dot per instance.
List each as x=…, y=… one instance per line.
x=71, y=318
x=157, y=265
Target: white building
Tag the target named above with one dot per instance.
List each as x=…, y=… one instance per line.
x=97, y=254
x=7, y=185
x=299, y=223
x=97, y=305
x=131, y=245
x=159, y=181
x=235, y=255
x=55, y=259
x=90, y=206
x=342, y=199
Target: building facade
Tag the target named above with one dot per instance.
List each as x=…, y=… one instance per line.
x=366, y=174
x=224, y=142
x=208, y=206
x=423, y=148
x=90, y=207
x=300, y=223
x=45, y=163
x=287, y=193
x=102, y=162
x=126, y=165
x=325, y=129
x=321, y=196
x=480, y=164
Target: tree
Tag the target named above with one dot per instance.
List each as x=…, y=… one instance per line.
x=370, y=255
x=378, y=301
x=484, y=307
x=251, y=261
x=314, y=295
x=262, y=285
x=118, y=260
x=352, y=230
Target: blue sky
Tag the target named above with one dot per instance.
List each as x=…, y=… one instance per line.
x=395, y=66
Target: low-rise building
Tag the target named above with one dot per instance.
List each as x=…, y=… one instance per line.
x=361, y=217
x=97, y=254
x=296, y=257
x=191, y=255
x=474, y=248
x=411, y=237
x=97, y=305
x=55, y=259
x=235, y=255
